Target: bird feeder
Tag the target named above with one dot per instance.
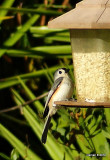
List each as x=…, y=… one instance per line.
x=89, y=25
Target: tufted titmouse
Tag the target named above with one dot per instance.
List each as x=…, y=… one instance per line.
x=62, y=89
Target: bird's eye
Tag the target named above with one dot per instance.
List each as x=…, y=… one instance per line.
x=60, y=72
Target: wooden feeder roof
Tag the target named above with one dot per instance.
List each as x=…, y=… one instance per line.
x=88, y=14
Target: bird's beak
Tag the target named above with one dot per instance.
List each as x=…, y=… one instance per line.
x=67, y=70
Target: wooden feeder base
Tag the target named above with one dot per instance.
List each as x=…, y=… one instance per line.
x=75, y=104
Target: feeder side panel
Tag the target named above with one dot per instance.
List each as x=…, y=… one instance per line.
x=91, y=58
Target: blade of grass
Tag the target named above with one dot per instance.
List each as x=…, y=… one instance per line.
x=18, y=34
x=106, y=132
x=13, y=119
x=40, y=11
x=107, y=115
x=4, y=156
x=54, y=49
x=44, y=30
x=42, y=52
x=56, y=38
x=6, y=17
x=31, y=96
x=51, y=6
x=93, y=129
x=101, y=145
x=24, y=151
x=17, y=98
x=8, y=82
x=57, y=6
x=83, y=144
x=6, y=3
x=49, y=75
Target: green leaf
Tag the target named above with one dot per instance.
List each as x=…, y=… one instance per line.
x=40, y=11
x=6, y=3
x=24, y=151
x=31, y=96
x=107, y=115
x=92, y=130
x=106, y=132
x=42, y=52
x=101, y=145
x=4, y=156
x=18, y=34
x=83, y=144
x=15, y=155
x=44, y=30
x=92, y=123
x=8, y=82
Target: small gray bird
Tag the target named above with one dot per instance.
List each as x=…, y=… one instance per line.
x=62, y=89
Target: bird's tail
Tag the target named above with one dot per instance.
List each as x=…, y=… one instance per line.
x=45, y=131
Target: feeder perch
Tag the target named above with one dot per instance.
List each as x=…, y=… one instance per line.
x=89, y=25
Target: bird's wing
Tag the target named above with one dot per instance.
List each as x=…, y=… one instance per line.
x=53, y=89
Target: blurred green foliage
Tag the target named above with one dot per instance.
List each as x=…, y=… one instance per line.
x=29, y=55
